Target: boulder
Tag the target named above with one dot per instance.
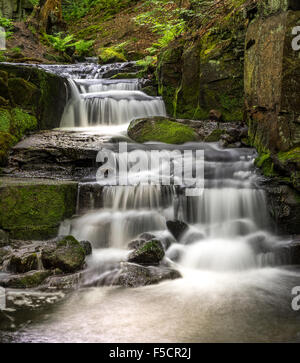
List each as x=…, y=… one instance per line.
x=177, y=228
x=86, y=245
x=161, y=129
x=133, y=275
x=32, y=209
x=147, y=253
x=22, y=261
x=215, y=115
x=67, y=255
x=27, y=280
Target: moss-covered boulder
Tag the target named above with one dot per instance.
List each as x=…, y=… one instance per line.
x=148, y=253
x=110, y=55
x=28, y=280
x=34, y=208
x=23, y=262
x=23, y=93
x=67, y=255
x=161, y=129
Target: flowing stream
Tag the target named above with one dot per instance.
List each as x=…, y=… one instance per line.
x=234, y=286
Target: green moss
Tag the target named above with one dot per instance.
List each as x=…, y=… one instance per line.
x=23, y=93
x=110, y=55
x=22, y=122
x=6, y=142
x=5, y=119
x=265, y=163
x=161, y=130
x=35, y=209
x=126, y=76
x=215, y=135
x=29, y=280
x=290, y=156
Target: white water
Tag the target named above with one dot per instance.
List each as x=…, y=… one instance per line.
x=230, y=291
x=106, y=102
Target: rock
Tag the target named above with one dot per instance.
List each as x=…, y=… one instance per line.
x=3, y=238
x=23, y=93
x=133, y=275
x=147, y=236
x=27, y=280
x=258, y=243
x=67, y=255
x=284, y=207
x=148, y=253
x=51, y=96
x=135, y=244
x=215, y=115
x=65, y=283
x=4, y=254
x=177, y=228
x=110, y=55
x=161, y=129
x=21, y=262
x=33, y=208
x=215, y=135
x=86, y=245
x=288, y=254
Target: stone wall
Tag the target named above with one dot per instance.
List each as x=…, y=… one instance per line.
x=272, y=92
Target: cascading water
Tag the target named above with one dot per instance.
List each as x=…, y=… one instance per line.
x=95, y=102
x=234, y=288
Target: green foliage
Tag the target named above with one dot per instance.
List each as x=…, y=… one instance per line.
x=113, y=54
x=83, y=47
x=8, y=26
x=76, y=9
x=164, y=18
x=58, y=42
x=34, y=2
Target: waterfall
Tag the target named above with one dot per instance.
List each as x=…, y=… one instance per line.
x=108, y=102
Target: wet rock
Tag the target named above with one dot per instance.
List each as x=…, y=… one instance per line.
x=148, y=253
x=32, y=209
x=86, y=245
x=161, y=129
x=133, y=275
x=67, y=255
x=147, y=236
x=27, y=280
x=177, y=228
x=288, y=254
x=137, y=243
x=259, y=243
x=284, y=207
x=62, y=283
x=23, y=261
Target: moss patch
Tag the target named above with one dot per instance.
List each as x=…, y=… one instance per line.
x=162, y=130
x=35, y=209
x=110, y=55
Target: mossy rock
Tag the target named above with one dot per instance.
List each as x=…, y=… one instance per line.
x=68, y=255
x=110, y=55
x=6, y=142
x=215, y=135
x=126, y=75
x=22, y=122
x=23, y=262
x=23, y=93
x=149, y=253
x=4, y=89
x=33, y=209
x=162, y=130
x=28, y=280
